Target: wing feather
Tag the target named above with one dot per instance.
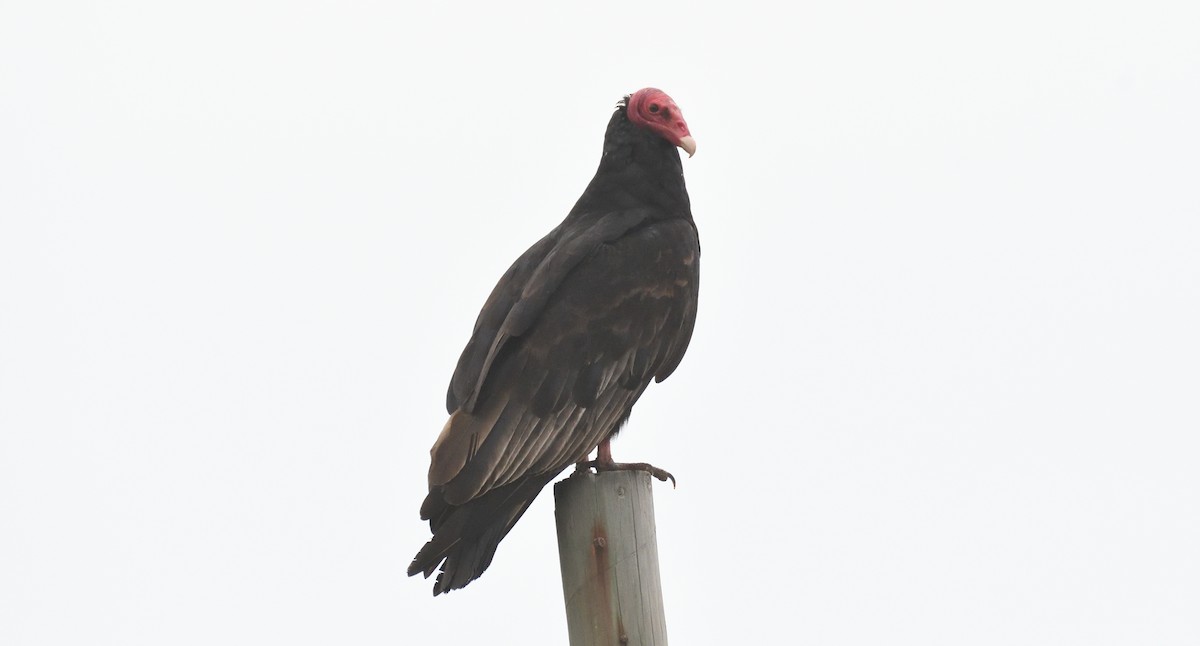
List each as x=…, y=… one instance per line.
x=521, y=295
x=600, y=315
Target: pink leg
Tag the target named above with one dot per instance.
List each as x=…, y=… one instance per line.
x=604, y=452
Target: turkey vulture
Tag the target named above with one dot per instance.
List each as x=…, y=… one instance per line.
x=568, y=340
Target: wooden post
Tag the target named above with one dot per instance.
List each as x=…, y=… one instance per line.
x=609, y=557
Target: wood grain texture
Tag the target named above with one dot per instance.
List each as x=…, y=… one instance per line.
x=608, y=552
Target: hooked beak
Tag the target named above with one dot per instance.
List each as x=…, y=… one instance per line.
x=688, y=145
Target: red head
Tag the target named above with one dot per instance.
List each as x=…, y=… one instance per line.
x=652, y=109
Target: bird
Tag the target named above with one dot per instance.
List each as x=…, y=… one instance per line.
x=569, y=339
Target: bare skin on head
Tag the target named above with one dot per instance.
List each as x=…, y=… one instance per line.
x=651, y=108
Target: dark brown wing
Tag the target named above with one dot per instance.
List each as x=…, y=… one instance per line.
x=593, y=324
x=570, y=358
x=523, y=292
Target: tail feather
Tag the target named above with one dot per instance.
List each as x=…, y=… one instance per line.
x=465, y=537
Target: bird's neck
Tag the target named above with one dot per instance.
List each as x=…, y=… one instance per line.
x=637, y=170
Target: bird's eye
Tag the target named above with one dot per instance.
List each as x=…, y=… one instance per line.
x=653, y=108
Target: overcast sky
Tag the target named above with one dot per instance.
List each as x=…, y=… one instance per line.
x=944, y=387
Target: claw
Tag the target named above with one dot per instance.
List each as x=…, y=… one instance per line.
x=602, y=465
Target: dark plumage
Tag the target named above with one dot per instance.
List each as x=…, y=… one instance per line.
x=569, y=339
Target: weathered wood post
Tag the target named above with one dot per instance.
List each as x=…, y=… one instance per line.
x=608, y=552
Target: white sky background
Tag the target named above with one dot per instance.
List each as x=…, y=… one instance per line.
x=944, y=389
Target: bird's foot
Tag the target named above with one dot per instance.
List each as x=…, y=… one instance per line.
x=608, y=465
